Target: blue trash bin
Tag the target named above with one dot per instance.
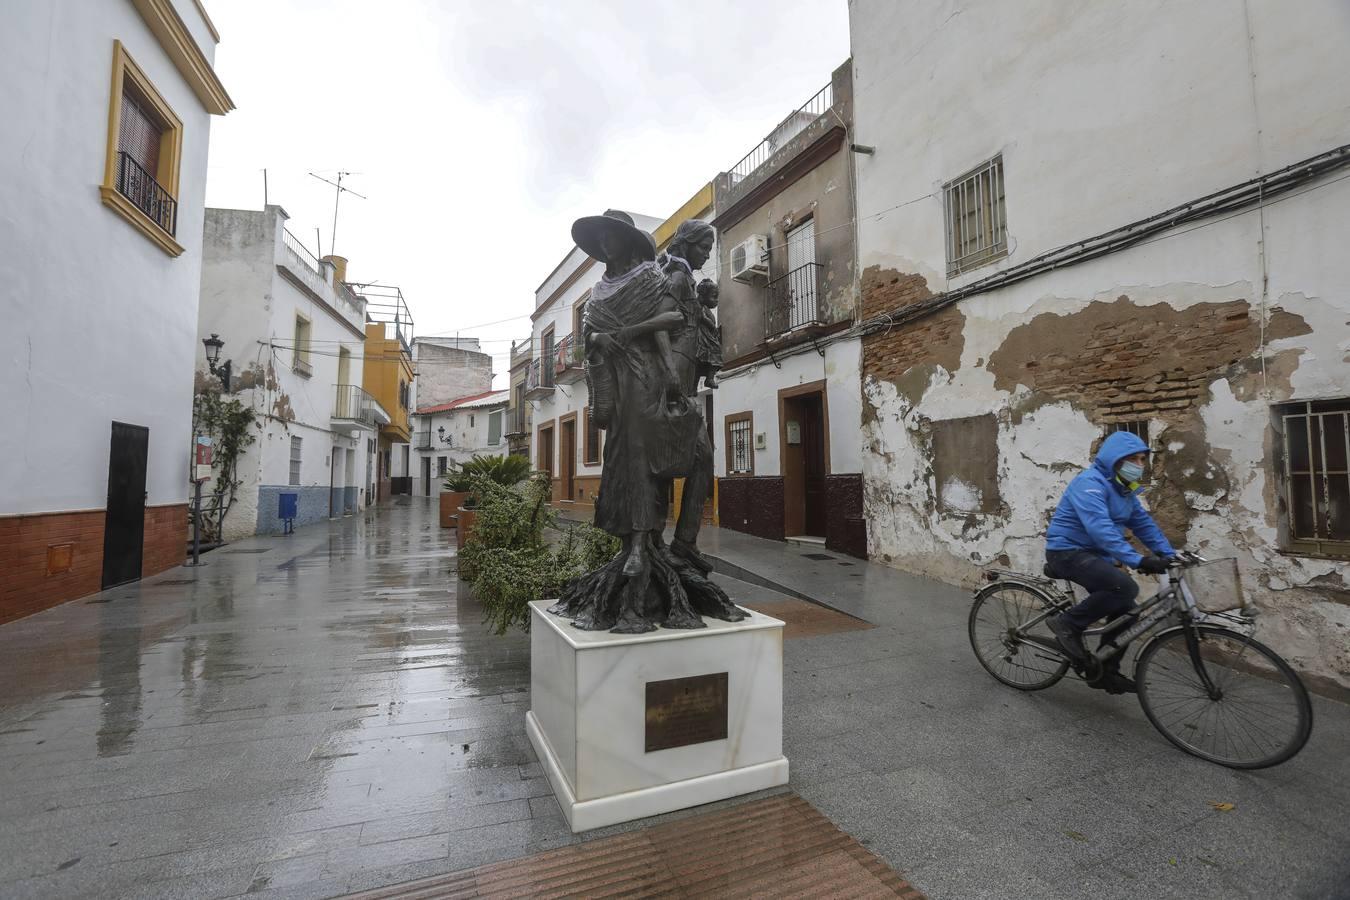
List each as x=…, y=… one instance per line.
x=287, y=504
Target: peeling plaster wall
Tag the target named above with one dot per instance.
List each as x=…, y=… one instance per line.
x=1199, y=332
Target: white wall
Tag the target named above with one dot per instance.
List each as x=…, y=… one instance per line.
x=755, y=389
x=571, y=397
x=101, y=323
x=1107, y=113
x=247, y=301
x=468, y=432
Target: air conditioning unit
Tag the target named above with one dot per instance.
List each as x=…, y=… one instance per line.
x=750, y=260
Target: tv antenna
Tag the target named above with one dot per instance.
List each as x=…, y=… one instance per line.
x=337, y=197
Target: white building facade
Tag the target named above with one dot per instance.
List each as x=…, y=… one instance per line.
x=449, y=434
x=107, y=110
x=294, y=335
x=1118, y=219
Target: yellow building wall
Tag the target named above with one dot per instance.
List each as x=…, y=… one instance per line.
x=385, y=364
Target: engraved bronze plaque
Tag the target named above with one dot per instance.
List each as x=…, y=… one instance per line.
x=683, y=711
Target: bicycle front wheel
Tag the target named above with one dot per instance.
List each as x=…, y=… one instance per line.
x=1259, y=714
x=998, y=621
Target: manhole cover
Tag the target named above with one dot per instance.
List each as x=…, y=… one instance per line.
x=846, y=564
x=817, y=556
x=173, y=581
x=258, y=550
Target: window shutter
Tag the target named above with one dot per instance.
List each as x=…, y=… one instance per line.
x=494, y=428
x=139, y=135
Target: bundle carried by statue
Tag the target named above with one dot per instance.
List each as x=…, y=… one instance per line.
x=616, y=302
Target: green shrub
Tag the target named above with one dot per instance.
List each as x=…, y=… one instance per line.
x=505, y=470
x=507, y=559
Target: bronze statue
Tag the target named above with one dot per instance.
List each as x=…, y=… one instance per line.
x=645, y=348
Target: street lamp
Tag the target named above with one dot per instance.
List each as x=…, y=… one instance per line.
x=213, y=345
x=441, y=431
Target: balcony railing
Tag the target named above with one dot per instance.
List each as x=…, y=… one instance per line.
x=301, y=252
x=568, y=358
x=785, y=131
x=792, y=300
x=422, y=440
x=517, y=422
x=353, y=404
x=539, y=382
x=145, y=193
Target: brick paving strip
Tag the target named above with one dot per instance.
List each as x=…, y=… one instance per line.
x=801, y=619
x=780, y=846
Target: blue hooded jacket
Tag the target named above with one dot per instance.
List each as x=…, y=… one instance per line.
x=1096, y=508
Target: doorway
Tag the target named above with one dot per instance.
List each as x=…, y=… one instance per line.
x=567, y=458
x=805, y=456
x=124, y=519
x=335, y=484
x=426, y=475
x=545, y=452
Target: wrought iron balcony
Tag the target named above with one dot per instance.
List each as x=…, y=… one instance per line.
x=785, y=131
x=517, y=422
x=792, y=301
x=353, y=405
x=145, y=193
x=422, y=440
x=567, y=367
x=539, y=383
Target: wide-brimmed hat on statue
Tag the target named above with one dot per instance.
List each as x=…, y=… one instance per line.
x=588, y=230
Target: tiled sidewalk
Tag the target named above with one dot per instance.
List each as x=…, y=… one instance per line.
x=329, y=716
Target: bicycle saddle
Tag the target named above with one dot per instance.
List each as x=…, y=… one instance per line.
x=1048, y=572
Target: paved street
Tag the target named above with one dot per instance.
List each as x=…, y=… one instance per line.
x=322, y=713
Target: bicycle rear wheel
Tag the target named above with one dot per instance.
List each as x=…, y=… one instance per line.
x=999, y=612
x=1260, y=717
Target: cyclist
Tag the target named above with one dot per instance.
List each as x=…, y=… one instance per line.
x=1086, y=545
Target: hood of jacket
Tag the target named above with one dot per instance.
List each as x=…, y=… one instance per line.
x=1116, y=447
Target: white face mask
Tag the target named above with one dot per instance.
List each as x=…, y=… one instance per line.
x=1131, y=471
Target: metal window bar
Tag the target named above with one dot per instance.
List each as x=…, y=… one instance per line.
x=302, y=253
x=548, y=353
x=145, y=193
x=740, y=446
x=975, y=212
x=1317, y=474
x=783, y=132
x=792, y=300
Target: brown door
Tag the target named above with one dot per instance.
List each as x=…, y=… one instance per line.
x=546, y=451
x=803, y=437
x=567, y=459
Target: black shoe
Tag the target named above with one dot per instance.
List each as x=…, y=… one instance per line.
x=1116, y=683
x=1070, y=638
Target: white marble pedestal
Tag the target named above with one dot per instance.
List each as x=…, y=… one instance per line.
x=589, y=716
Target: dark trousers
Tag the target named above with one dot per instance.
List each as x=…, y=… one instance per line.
x=1111, y=591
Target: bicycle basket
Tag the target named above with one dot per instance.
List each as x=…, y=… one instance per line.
x=1215, y=585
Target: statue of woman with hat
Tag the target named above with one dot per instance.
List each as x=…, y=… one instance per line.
x=652, y=429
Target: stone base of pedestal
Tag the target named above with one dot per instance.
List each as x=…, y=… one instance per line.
x=630, y=726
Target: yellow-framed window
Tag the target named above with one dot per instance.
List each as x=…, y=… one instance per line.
x=144, y=155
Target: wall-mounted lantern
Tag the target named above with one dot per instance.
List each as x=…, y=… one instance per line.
x=213, y=346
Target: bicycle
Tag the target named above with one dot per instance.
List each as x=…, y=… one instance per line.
x=1203, y=682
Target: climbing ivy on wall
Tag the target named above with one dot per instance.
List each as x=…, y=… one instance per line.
x=231, y=426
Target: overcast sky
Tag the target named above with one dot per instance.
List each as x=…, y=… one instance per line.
x=480, y=130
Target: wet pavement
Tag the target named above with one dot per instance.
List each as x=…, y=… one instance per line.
x=322, y=713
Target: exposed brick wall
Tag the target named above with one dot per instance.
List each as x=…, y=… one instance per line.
x=935, y=340
x=845, y=529
x=753, y=505
x=166, y=537
x=24, y=543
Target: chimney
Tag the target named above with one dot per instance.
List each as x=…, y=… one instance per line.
x=339, y=264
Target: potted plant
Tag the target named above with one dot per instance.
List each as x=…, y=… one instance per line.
x=503, y=470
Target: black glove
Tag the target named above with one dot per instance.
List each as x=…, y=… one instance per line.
x=1153, y=565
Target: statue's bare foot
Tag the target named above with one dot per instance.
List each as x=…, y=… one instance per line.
x=689, y=553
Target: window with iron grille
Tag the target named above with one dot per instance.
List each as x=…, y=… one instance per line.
x=740, y=452
x=441, y=465
x=1315, y=441
x=976, y=217
x=295, y=460
x=1138, y=428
